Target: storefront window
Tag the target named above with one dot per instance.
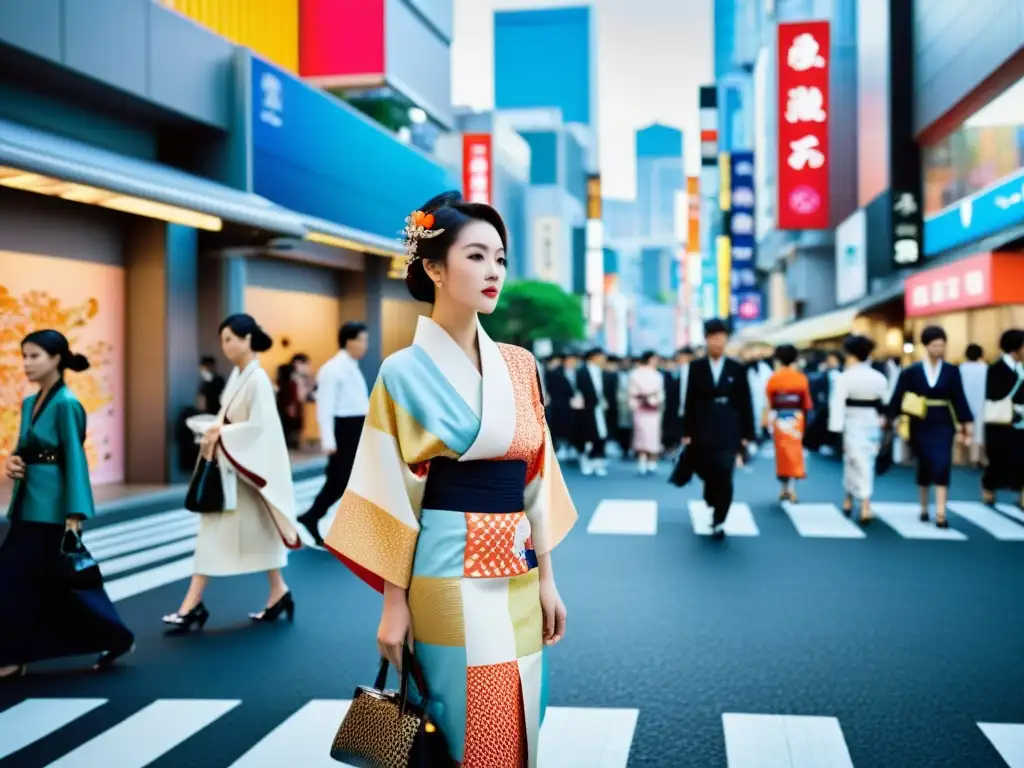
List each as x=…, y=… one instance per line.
x=986, y=148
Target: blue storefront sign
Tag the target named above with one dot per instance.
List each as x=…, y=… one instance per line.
x=316, y=155
x=984, y=213
x=746, y=299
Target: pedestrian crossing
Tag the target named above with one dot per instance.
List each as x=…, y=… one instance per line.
x=642, y=517
x=571, y=737
x=143, y=554
x=139, y=555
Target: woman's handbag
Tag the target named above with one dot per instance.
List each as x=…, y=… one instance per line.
x=206, y=489
x=1001, y=411
x=383, y=729
x=78, y=568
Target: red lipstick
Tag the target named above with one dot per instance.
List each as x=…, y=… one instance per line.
x=490, y=292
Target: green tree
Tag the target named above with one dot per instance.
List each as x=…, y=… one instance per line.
x=530, y=310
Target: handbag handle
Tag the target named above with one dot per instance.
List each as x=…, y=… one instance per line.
x=76, y=538
x=410, y=667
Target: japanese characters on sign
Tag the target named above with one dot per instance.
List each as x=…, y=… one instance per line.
x=803, y=175
x=271, y=101
x=959, y=285
x=477, y=174
x=906, y=230
x=741, y=232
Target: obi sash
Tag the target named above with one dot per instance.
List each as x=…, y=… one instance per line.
x=492, y=487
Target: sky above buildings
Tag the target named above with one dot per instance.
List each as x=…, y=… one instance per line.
x=653, y=55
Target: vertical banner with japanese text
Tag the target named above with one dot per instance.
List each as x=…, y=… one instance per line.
x=708, y=184
x=746, y=299
x=477, y=173
x=803, y=169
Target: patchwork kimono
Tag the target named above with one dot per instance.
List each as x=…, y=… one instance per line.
x=454, y=494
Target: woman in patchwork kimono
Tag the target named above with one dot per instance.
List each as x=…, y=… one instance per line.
x=930, y=393
x=861, y=393
x=41, y=616
x=788, y=398
x=456, y=499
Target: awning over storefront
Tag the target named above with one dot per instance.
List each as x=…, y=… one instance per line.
x=36, y=161
x=830, y=325
x=329, y=233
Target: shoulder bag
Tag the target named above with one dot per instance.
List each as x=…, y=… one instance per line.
x=383, y=729
x=1001, y=411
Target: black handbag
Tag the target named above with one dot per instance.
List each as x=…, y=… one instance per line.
x=383, y=729
x=78, y=568
x=206, y=489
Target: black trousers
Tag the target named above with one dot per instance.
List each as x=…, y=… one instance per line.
x=347, y=430
x=716, y=468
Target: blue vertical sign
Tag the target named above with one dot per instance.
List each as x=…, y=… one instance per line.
x=746, y=298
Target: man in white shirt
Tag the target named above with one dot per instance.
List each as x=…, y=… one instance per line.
x=342, y=401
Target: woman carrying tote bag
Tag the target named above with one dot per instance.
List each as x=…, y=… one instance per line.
x=1004, y=420
x=246, y=442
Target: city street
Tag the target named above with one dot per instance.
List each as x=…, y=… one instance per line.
x=801, y=641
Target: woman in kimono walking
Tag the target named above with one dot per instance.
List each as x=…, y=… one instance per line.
x=930, y=393
x=457, y=500
x=41, y=616
x=788, y=398
x=1005, y=439
x=247, y=441
x=861, y=393
x=646, y=397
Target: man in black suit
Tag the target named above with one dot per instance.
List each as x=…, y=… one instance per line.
x=718, y=420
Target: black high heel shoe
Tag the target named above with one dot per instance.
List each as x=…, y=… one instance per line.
x=183, y=623
x=285, y=605
x=107, y=658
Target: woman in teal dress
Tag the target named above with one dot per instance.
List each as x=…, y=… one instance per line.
x=41, y=615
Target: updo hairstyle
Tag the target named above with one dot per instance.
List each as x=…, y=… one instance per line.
x=859, y=347
x=245, y=325
x=56, y=343
x=451, y=213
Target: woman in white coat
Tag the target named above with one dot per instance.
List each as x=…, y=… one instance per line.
x=255, y=530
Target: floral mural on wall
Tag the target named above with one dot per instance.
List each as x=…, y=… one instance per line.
x=92, y=320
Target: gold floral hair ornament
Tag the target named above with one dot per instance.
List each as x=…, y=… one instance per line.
x=418, y=227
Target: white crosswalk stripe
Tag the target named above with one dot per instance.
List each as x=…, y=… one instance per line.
x=824, y=521
x=784, y=741
x=1008, y=739
x=638, y=517
x=905, y=520
x=147, y=553
x=571, y=737
x=739, y=521
x=625, y=517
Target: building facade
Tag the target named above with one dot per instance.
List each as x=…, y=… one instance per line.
x=146, y=195
x=660, y=177
x=390, y=58
x=547, y=59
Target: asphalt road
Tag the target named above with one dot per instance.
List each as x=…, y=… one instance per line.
x=801, y=641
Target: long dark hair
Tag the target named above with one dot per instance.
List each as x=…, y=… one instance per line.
x=451, y=213
x=245, y=325
x=56, y=343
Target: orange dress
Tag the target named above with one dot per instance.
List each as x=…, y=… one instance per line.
x=789, y=397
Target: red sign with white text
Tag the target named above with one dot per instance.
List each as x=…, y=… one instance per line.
x=477, y=171
x=803, y=66
x=960, y=285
